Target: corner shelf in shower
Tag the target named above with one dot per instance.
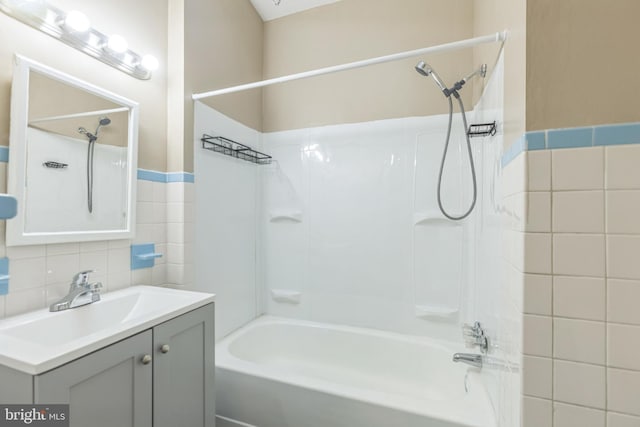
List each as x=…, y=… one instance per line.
x=431, y=217
x=231, y=148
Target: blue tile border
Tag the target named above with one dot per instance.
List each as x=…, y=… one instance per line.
x=590, y=136
x=4, y=154
x=165, y=177
x=4, y=276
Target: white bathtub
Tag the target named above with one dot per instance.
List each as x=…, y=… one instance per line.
x=288, y=373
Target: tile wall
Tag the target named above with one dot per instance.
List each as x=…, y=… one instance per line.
x=40, y=274
x=582, y=280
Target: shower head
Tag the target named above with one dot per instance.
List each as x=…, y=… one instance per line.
x=426, y=70
x=104, y=121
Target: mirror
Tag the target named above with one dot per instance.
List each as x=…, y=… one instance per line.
x=72, y=165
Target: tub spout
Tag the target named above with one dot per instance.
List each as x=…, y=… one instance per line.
x=469, y=359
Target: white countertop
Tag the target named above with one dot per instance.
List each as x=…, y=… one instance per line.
x=38, y=341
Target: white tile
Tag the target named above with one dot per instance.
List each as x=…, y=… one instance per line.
x=537, y=253
x=117, y=244
x=188, y=274
x=622, y=167
x=539, y=170
x=537, y=376
x=579, y=297
x=63, y=249
x=577, y=416
x=537, y=339
x=538, y=212
x=18, y=302
x=579, y=383
x=160, y=233
x=579, y=255
x=189, y=192
x=577, y=169
x=622, y=420
x=175, y=253
x=3, y=300
x=159, y=213
x=141, y=277
x=622, y=257
x=118, y=260
x=622, y=391
x=189, y=232
x=21, y=252
x=189, y=212
x=145, y=233
x=578, y=212
x=188, y=253
x=536, y=412
x=579, y=340
x=96, y=261
x=119, y=280
x=145, y=191
x=623, y=212
x=175, y=212
x=94, y=246
x=159, y=274
x=145, y=213
x=622, y=296
x=537, y=294
x=175, y=192
x=160, y=192
x=623, y=346
x=27, y=273
x=175, y=274
x=175, y=233
x=62, y=268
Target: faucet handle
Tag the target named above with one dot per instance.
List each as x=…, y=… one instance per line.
x=81, y=278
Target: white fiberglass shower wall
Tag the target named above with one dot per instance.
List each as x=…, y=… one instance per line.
x=344, y=226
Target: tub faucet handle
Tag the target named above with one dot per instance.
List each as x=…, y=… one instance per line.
x=474, y=336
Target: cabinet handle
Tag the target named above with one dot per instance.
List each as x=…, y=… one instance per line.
x=165, y=348
x=146, y=359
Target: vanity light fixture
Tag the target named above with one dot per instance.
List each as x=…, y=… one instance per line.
x=74, y=29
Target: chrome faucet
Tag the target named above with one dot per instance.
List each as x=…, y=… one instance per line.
x=469, y=359
x=81, y=292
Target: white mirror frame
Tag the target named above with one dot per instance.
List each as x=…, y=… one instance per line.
x=18, y=157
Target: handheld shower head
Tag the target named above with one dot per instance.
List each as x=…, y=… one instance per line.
x=104, y=121
x=425, y=69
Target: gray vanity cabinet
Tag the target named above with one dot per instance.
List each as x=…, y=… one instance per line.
x=183, y=371
x=162, y=377
x=110, y=387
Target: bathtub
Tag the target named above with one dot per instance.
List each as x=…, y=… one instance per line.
x=278, y=372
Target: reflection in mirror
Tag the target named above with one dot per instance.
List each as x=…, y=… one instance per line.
x=72, y=159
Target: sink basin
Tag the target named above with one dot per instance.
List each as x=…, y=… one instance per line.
x=39, y=341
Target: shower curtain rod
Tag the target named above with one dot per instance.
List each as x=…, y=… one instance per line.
x=491, y=38
x=83, y=114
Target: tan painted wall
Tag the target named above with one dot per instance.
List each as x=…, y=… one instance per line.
x=497, y=15
x=581, y=68
x=143, y=23
x=223, y=47
x=352, y=30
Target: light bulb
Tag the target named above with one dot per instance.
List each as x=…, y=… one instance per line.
x=77, y=21
x=150, y=62
x=117, y=43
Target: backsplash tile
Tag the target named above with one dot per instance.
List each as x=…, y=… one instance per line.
x=40, y=274
x=594, y=321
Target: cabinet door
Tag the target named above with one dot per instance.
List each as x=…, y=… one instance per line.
x=111, y=387
x=183, y=371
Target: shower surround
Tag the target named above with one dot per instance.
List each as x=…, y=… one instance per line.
x=344, y=228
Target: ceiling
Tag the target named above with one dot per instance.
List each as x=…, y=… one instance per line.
x=269, y=11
